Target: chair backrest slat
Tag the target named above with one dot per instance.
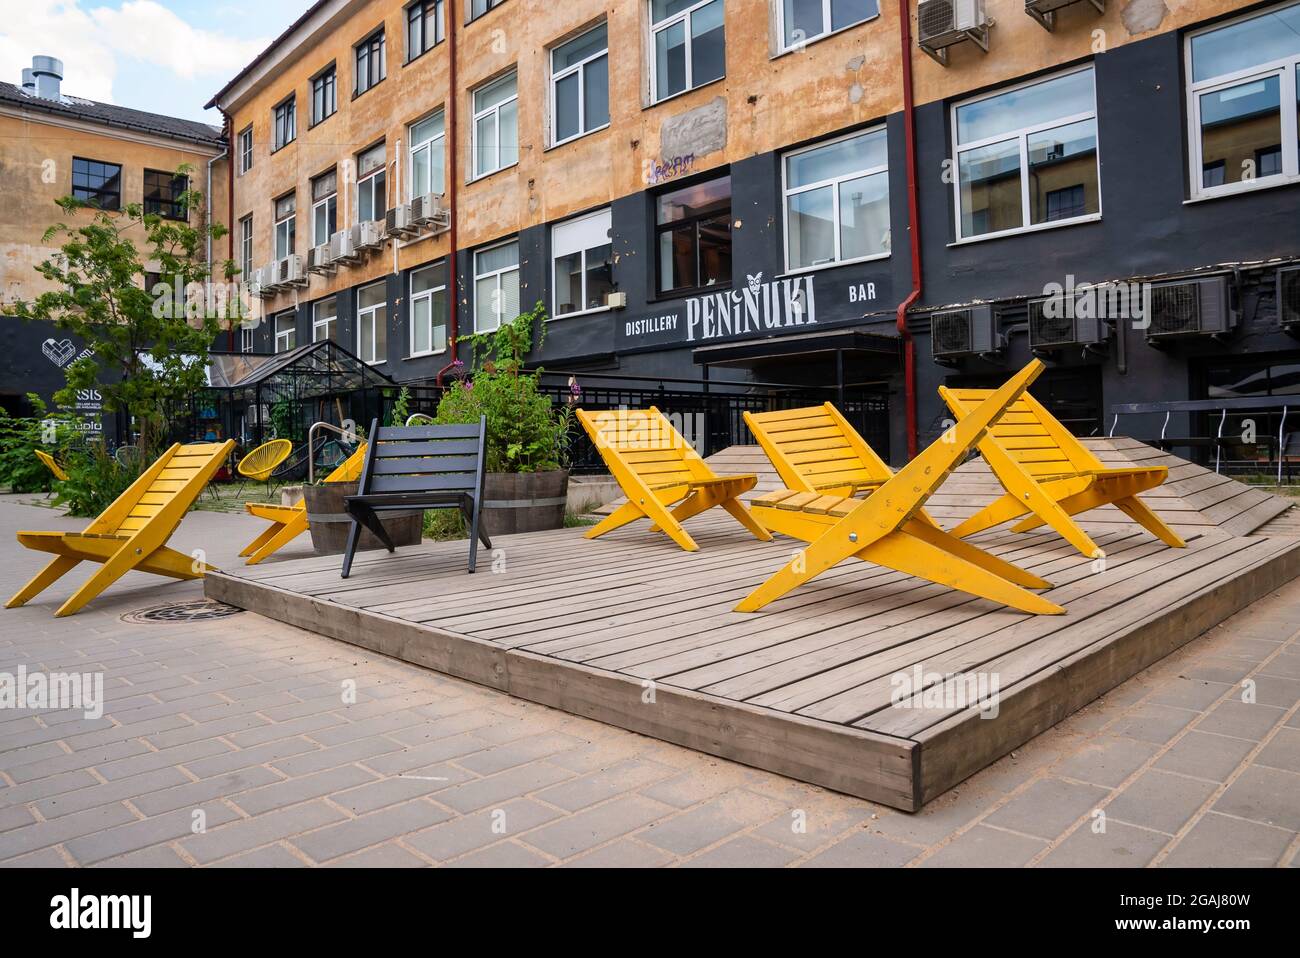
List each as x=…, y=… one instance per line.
x=1028, y=433
x=425, y=465
x=815, y=449
x=413, y=459
x=170, y=474
x=422, y=433
x=427, y=482
x=647, y=444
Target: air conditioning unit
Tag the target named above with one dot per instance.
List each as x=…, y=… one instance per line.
x=367, y=235
x=398, y=221
x=431, y=210
x=943, y=23
x=616, y=299
x=263, y=280
x=1044, y=11
x=1194, y=307
x=342, y=248
x=965, y=332
x=1288, y=298
x=318, y=259
x=1054, y=323
x=289, y=271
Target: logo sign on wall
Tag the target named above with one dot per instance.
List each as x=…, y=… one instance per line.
x=759, y=309
x=59, y=352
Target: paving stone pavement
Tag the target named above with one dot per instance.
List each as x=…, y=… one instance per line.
x=235, y=742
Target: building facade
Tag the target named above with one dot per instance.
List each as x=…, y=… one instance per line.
x=724, y=189
x=53, y=144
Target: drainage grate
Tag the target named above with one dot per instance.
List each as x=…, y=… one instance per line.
x=196, y=610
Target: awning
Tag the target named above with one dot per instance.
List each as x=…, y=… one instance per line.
x=849, y=343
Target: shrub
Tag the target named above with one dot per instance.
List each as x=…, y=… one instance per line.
x=95, y=479
x=21, y=436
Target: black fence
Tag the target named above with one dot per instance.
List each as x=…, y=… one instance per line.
x=709, y=415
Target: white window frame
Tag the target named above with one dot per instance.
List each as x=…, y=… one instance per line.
x=1023, y=134
x=286, y=222
x=365, y=181
x=366, y=314
x=289, y=334
x=783, y=47
x=318, y=324
x=605, y=214
x=413, y=297
x=246, y=337
x=662, y=25
x=246, y=248
x=580, y=69
x=833, y=182
x=498, y=273
x=290, y=105
x=246, y=149
x=1286, y=68
x=438, y=143
x=495, y=110
x=331, y=199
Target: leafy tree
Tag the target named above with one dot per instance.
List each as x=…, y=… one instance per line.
x=148, y=348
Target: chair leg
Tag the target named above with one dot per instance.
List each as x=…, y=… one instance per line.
x=470, y=510
x=995, y=513
x=628, y=512
x=262, y=539
x=746, y=519
x=118, y=564
x=284, y=534
x=354, y=531
x=57, y=567
x=1143, y=515
x=370, y=519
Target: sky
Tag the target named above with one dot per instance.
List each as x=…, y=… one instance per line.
x=164, y=56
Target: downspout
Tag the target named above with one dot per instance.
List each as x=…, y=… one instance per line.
x=914, y=227
x=453, y=174
x=229, y=123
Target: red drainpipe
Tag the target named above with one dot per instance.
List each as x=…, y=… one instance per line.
x=453, y=172
x=914, y=227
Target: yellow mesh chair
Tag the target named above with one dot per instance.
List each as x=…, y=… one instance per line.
x=261, y=462
x=132, y=532
x=1049, y=476
x=289, y=522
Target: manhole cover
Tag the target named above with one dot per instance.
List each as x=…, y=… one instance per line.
x=196, y=610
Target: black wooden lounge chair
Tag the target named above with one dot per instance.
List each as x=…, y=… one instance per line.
x=419, y=467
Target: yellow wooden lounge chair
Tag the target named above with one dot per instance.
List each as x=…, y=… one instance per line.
x=131, y=533
x=1047, y=472
x=656, y=467
x=289, y=522
x=889, y=527
x=52, y=465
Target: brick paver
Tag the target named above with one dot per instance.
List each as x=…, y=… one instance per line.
x=245, y=720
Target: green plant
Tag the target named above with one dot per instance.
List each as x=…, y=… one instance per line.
x=95, y=479
x=21, y=436
x=401, y=411
x=146, y=347
x=285, y=421
x=444, y=524
x=525, y=432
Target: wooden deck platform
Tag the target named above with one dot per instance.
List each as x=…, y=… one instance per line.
x=630, y=630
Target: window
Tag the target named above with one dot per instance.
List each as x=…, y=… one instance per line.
x=246, y=150
x=246, y=248
x=324, y=320
x=324, y=207
x=285, y=331
x=693, y=236
x=285, y=225
x=324, y=94
x=423, y=27
x=496, y=125
x=496, y=285
x=689, y=45
x=372, y=176
x=837, y=201
x=580, y=85
x=96, y=183
x=804, y=20
x=582, y=253
x=427, y=139
x=286, y=122
x=163, y=194
x=479, y=7
x=246, y=338
x=1244, y=100
x=429, y=309
x=1017, y=147
x=372, y=323
x=370, y=62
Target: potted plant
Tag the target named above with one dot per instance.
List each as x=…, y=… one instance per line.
x=527, y=481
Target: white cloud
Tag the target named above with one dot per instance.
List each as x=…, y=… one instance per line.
x=93, y=42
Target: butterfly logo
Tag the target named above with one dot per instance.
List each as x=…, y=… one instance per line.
x=59, y=353
x=755, y=281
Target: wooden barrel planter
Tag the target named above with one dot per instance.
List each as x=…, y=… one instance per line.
x=329, y=521
x=524, y=501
